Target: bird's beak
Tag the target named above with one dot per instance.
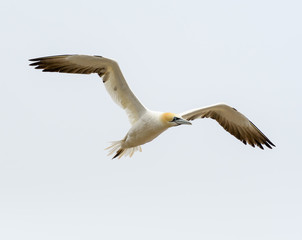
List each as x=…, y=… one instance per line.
x=181, y=121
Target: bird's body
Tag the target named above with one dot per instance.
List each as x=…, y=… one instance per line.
x=147, y=124
x=148, y=127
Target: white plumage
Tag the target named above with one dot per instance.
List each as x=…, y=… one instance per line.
x=147, y=124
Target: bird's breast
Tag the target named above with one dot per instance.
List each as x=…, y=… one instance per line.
x=143, y=131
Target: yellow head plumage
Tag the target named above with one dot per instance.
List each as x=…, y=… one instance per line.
x=167, y=117
x=172, y=120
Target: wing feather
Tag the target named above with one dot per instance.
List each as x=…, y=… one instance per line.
x=232, y=121
x=113, y=78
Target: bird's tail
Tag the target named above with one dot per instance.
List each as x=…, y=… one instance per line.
x=116, y=147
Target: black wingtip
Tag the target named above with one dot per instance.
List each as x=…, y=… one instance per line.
x=33, y=59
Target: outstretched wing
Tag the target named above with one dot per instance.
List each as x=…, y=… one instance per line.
x=113, y=78
x=232, y=121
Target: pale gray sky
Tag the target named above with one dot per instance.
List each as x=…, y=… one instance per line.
x=193, y=182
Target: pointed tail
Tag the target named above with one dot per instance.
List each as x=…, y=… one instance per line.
x=116, y=147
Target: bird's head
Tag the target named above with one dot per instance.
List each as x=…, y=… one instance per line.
x=172, y=120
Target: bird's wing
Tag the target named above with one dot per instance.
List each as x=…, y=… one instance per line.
x=113, y=78
x=232, y=121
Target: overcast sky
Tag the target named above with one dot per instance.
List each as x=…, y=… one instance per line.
x=192, y=182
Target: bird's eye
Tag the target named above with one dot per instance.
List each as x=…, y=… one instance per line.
x=174, y=119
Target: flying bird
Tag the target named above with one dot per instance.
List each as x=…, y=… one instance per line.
x=147, y=124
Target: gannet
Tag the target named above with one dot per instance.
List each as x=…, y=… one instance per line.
x=147, y=124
